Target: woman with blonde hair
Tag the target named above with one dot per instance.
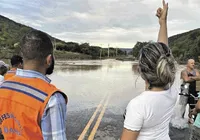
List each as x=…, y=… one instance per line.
x=148, y=115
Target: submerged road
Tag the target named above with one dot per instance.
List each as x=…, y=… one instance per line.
x=97, y=108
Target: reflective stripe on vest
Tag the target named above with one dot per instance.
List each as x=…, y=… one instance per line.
x=11, y=71
x=25, y=89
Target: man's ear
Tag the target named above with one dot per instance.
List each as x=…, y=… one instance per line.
x=49, y=59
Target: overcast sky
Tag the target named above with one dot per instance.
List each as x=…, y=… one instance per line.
x=120, y=23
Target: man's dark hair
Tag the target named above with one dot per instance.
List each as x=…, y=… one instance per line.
x=16, y=60
x=36, y=45
x=3, y=70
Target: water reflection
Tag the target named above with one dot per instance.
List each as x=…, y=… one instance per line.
x=87, y=82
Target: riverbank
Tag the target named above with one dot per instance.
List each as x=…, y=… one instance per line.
x=64, y=55
x=5, y=55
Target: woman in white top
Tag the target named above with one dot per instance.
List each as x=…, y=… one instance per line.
x=148, y=115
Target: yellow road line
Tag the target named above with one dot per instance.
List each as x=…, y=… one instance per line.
x=93, y=132
x=81, y=137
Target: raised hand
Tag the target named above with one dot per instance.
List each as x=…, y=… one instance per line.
x=162, y=13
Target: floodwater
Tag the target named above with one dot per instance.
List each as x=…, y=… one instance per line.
x=98, y=93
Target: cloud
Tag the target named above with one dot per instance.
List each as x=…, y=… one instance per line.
x=30, y=22
x=117, y=22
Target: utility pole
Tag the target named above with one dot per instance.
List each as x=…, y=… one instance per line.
x=116, y=51
x=108, y=51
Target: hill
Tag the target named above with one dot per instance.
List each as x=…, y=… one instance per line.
x=184, y=46
x=11, y=33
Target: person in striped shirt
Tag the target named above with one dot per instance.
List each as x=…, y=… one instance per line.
x=36, y=107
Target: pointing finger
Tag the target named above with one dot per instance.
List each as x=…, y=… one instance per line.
x=163, y=3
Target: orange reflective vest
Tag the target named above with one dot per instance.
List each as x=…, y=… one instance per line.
x=22, y=103
x=10, y=73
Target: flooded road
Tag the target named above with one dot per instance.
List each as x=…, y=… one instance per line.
x=98, y=93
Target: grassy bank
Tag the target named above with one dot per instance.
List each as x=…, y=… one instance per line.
x=6, y=54
x=64, y=55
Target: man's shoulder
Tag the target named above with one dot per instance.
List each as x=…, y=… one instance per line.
x=184, y=70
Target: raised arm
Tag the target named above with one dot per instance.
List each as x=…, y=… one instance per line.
x=162, y=16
